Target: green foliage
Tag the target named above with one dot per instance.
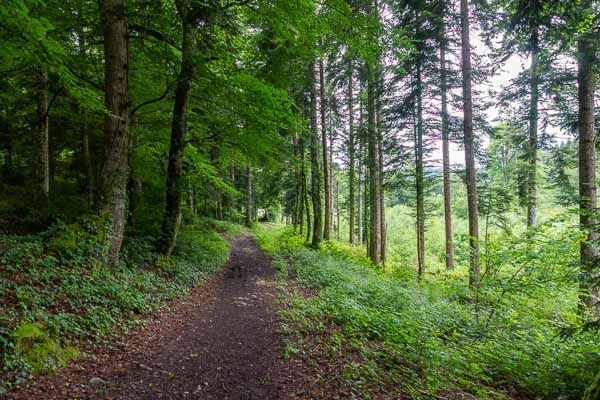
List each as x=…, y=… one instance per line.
x=41, y=351
x=432, y=337
x=593, y=392
x=54, y=290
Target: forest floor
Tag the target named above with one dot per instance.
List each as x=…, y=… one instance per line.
x=221, y=341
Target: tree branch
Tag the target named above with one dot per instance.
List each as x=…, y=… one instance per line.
x=151, y=101
x=155, y=34
x=59, y=91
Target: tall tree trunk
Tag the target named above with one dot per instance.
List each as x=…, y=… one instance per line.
x=307, y=206
x=352, y=161
x=90, y=178
x=469, y=145
x=41, y=147
x=337, y=209
x=366, y=199
x=361, y=151
x=446, y=156
x=113, y=178
x=249, y=208
x=90, y=186
x=419, y=180
x=314, y=160
x=379, y=124
x=297, y=205
x=173, y=206
x=533, y=131
x=326, y=170
x=301, y=195
x=374, y=189
x=587, y=166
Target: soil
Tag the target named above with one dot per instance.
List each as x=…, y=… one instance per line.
x=221, y=341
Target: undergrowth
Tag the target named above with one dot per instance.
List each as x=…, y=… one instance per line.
x=433, y=339
x=56, y=296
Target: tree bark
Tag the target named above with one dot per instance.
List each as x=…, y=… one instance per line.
x=361, y=151
x=352, y=162
x=41, y=147
x=379, y=125
x=314, y=160
x=113, y=178
x=90, y=178
x=249, y=208
x=533, y=131
x=446, y=157
x=374, y=182
x=419, y=180
x=90, y=186
x=469, y=145
x=326, y=171
x=299, y=198
x=174, y=190
x=587, y=168
x=337, y=209
x=307, y=206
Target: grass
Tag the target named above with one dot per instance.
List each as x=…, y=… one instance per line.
x=437, y=337
x=55, y=295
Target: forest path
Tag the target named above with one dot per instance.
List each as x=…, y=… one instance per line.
x=219, y=342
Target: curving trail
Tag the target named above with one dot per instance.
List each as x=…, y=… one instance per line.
x=219, y=342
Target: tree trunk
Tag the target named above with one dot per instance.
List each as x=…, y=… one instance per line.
x=419, y=180
x=249, y=214
x=173, y=206
x=307, y=206
x=90, y=186
x=41, y=148
x=302, y=195
x=469, y=145
x=326, y=171
x=446, y=157
x=379, y=125
x=351, y=170
x=113, y=178
x=314, y=160
x=533, y=131
x=337, y=209
x=297, y=206
x=360, y=174
x=90, y=178
x=374, y=189
x=587, y=168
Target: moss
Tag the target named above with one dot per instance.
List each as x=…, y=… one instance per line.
x=41, y=351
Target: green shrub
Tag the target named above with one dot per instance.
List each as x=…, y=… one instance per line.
x=432, y=336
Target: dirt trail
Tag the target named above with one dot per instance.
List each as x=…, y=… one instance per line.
x=220, y=342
